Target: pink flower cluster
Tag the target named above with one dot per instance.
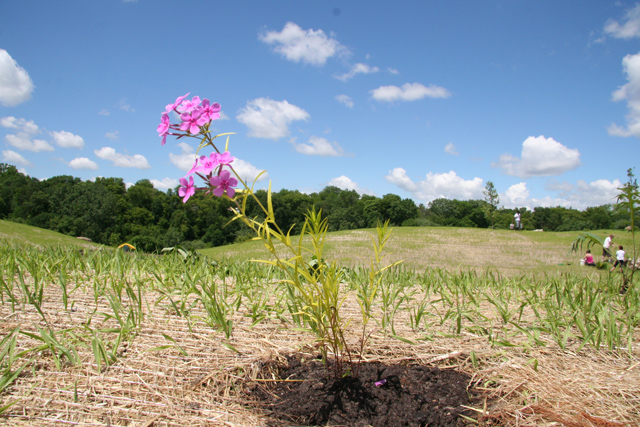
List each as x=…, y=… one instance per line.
x=194, y=114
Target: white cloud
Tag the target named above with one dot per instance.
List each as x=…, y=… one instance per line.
x=22, y=141
x=247, y=172
x=631, y=93
x=297, y=45
x=165, y=183
x=448, y=185
x=122, y=160
x=15, y=84
x=599, y=192
x=584, y=194
x=434, y=186
x=579, y=196
x=113, y=136
x=124, y=106
x=20, y=124
x=408, y=92
x=68, y=140
x=83, y=163
x=393, y=71
x=104, y=112
x=451, y=149
x=269, y=119
x=628, y=29
x=399, y=177
x=553, y=185
x=516, y=195
x=540, y=157
x=358, y=68
x=14, y=158
x=344, y=99
x=183, y=161
x=345, y=183
x=319, y=147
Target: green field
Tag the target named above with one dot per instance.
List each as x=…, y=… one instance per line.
x=94, y=336
x=453, y=249
x=507, y=251
x=16, y=232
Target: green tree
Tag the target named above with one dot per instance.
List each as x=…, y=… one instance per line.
x=141, y=194
x=548, y=219
x=372, y=211
x=598, y=217
x=493, y=200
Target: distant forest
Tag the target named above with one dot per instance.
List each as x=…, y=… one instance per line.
x=108, y=212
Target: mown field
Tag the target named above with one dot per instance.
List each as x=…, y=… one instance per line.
x=93, y=336
x=508, y=252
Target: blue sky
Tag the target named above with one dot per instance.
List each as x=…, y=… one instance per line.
x=424, y=99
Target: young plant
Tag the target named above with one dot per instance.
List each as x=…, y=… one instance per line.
x=629, y=202
x=313, y=285
x=9, y=359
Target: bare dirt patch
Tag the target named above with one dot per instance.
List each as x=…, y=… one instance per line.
x=380, y=395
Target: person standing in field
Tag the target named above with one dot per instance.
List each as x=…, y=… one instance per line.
x=588, y=259
x=516, y=219
x=605, y=248
x=619, y=259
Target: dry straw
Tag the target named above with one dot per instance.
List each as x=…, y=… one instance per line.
x=173, y=369
x=203, y=384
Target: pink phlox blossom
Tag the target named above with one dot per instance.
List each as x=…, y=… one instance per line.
x=210, y=111
x=205, y=164
x=169, y=108
x=163, y=128
x=192, y=122
x=225, y=158
x=223, y=183
x=188, y=106
x=187, y=190
x=196, y=165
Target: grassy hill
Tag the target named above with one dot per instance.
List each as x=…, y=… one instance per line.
x=510, y=252
x=506, y=251
x=14, y=231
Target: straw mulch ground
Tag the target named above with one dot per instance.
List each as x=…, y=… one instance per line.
x=198, y=381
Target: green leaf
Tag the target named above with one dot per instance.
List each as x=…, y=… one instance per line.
x=230, y=347
x=162, y=347
x=407, y=340
x=5, y=407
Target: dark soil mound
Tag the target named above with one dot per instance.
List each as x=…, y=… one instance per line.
x=381, y=395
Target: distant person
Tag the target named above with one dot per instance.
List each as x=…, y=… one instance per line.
x=619, y=259
x=606, y=253
x=516, y=219
x=588, y=259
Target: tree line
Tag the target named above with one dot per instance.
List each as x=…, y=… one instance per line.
x=108, y=212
